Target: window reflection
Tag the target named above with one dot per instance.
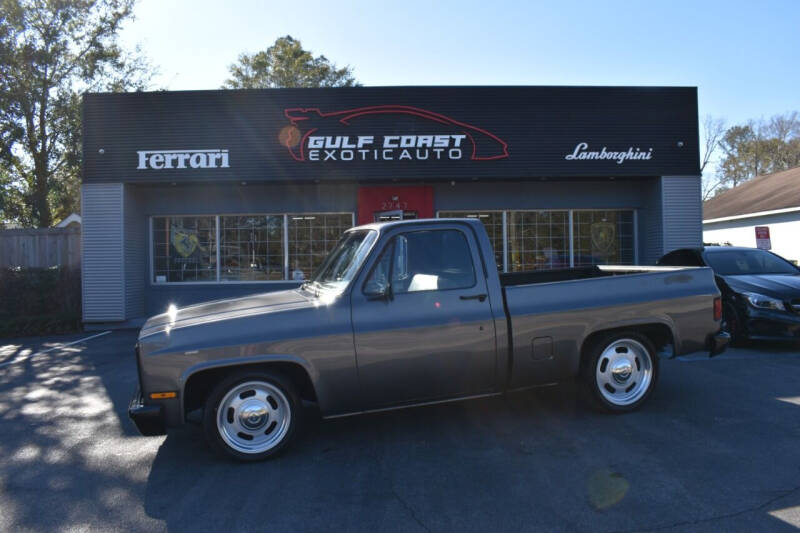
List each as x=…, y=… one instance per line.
x=311, y=237
x=184, y=249
x=251, y=248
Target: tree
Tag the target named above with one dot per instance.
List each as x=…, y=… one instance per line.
x=759, y=147
x=739, y=149
x=287, y=64
x=51, y=52
x=784, y=130
x=713, y=130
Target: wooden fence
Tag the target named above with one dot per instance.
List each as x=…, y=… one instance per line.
x=40, y=247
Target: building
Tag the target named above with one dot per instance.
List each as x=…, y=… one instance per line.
x=771, y=201
x=192, y=196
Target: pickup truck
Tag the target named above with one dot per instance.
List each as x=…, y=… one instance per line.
x=408, y=313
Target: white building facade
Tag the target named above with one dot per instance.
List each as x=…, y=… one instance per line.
x=740, y=230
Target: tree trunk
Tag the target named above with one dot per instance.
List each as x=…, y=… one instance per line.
x=39, y=206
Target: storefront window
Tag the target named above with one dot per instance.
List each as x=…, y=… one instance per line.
x=311, y=237
x=251, y=248
x=184, y=249
x=538, y=240
x=492, y=221
x=603, y=237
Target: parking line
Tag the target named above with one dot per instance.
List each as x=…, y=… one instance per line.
x=59, y=347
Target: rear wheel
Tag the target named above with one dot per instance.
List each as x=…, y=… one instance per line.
x=621, y=371
x=251, y=416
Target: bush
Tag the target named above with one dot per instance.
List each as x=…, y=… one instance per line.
x=39, y=301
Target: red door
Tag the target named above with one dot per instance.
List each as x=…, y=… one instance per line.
x=377, y=204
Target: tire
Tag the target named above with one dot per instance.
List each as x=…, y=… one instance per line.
x=251, y=416
x=620, y=371
x=732, y=324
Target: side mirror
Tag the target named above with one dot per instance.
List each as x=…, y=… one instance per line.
x=380, y=292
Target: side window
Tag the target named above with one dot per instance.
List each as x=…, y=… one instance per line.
x=431, y=260
x=378, y=281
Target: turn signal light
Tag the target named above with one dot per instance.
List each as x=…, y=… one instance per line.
x=163, y=395
x=717, y=308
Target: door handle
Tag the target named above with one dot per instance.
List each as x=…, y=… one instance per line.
x=479, y=297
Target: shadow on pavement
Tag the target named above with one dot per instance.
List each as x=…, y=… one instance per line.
x=65, y=459
x=695, y=457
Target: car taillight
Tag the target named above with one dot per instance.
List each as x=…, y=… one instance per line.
x=717, y=308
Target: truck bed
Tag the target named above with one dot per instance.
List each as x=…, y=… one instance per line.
x=551, y=312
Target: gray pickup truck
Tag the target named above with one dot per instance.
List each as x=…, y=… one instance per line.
x=408, y=313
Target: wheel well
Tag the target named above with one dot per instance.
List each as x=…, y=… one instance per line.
x=200, y=384
x=659, y=334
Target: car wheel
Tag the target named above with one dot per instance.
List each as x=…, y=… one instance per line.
x=251, y=416
x=621, y=371
x=732, y=324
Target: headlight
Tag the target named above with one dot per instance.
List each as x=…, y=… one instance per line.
x=763, y=302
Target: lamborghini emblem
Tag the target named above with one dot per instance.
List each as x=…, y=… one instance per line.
x=603, y=236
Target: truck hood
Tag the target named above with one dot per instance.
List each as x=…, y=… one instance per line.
x=781, y=286
x=219, y=310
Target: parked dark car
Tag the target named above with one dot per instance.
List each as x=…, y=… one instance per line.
x=760, y=290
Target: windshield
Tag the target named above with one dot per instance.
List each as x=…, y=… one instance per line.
x=342, y=263
x=741, y=262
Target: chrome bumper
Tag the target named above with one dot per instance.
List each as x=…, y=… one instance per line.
x=148, y=419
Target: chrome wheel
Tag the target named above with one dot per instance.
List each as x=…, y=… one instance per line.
x=253, y=417
x=624, y=372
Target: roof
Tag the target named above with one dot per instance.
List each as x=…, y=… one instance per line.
x=412, y=221
x=73, y=218
x=722, y=248
x=780, y=190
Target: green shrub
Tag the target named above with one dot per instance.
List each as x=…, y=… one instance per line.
x=39, y=301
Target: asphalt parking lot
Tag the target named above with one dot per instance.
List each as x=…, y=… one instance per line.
x=715, y=448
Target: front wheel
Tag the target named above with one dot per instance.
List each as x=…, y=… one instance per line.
x=251, y=416
x=732, y=324
x=621, y=371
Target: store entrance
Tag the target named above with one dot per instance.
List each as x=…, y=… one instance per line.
x=384, y=204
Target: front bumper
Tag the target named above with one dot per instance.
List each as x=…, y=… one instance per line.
x=717, y=343
x=149, y=419
x=771, y=325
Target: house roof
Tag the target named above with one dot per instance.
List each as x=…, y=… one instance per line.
x=74, y=218
x=770, y=192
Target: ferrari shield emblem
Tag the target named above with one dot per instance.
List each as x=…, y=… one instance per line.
x=603, y=236
x=184, y=242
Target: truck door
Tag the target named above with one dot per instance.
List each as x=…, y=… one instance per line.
x=422, y=319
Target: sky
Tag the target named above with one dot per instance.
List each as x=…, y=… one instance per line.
x=743, y=56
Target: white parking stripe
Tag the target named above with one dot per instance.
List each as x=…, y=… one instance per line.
x=59, y=347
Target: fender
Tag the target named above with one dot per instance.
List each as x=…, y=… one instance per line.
x=241, y=361
x=661, y=320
